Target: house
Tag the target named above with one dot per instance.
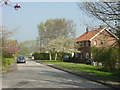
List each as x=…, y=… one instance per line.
x=98, y=38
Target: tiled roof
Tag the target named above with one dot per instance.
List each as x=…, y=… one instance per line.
x=88, y=36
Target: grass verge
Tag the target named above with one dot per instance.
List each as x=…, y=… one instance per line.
x=90, y=69
x=6, y=62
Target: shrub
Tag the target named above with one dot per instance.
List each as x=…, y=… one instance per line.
x=45, y=56
x=60, y=55
x=41, y=56
x=7, y=61
x=108, y=56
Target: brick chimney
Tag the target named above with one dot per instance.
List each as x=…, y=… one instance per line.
x=87, y=29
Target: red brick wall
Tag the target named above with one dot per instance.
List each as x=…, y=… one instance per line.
x=84, y=49
x=107, y=38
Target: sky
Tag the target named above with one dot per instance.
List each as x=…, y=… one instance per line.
x=26, y=19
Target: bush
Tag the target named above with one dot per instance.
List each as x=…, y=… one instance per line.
x=41, y=56
x=108, y=56
x=59, y=55
x=7, y=61
x=45, y=56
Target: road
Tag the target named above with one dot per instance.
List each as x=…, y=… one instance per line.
x=35, y=75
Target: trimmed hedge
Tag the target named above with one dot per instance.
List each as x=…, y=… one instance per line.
x=45, y=56
x=41, y=56
x=59, y=55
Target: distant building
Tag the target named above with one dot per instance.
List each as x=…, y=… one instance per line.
x=98, y=38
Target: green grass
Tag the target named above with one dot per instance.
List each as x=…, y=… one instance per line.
x=7, y=62
x=90, y=69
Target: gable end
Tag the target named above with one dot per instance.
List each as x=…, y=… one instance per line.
x=102, y=31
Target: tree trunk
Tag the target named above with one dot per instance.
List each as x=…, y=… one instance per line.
x=55, y=56
x=62, y=57
x=50, y=56
x=15, y=57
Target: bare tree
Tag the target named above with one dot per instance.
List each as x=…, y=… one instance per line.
x=7, y=3
x=108, y=12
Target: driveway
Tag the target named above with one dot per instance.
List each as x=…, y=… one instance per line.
x=35, y=75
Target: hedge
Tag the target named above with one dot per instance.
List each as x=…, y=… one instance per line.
x=45, y=56
x=41, y=56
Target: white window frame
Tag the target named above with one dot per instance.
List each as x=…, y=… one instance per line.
x=95, y=42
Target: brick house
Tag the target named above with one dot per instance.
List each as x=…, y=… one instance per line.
x=98, y=38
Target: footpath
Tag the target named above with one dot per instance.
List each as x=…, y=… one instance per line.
x=110, y=83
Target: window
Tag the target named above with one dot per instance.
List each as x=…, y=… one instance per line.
x=95, y=42
x=101, y=41
x=76, y=55
x=87, y=55
x=86, y=43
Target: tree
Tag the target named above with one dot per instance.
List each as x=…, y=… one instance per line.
x=108, y=57
x=53, y=28
x=6, y=2
x=11, y=47
x=7, y=47
x=61, y=44
x=4, y=37
x=27, y=47
x=108, y=12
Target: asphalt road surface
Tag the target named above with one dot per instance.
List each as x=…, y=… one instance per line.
x=35, y=75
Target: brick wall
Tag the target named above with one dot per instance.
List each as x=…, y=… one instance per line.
x=104, y=37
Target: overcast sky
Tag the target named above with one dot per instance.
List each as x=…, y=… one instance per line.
x=31, y=14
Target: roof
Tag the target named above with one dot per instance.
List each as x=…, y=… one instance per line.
x=88, y=36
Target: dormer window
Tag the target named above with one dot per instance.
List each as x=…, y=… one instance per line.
x=95, y=42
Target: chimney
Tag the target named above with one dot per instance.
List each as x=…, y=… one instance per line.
x=101, y=26
x=87, y=29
